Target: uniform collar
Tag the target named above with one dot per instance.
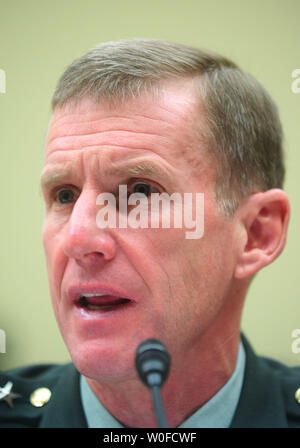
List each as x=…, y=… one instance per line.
x=218, y=412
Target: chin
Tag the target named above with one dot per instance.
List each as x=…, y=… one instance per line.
x=104, y=363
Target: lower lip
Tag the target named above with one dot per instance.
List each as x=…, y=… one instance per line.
x=107, y=311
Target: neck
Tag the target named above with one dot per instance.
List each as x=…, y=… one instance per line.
x=187, y=388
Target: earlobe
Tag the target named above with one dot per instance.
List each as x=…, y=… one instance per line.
x=265, y=217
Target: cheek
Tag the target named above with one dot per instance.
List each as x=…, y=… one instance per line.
x=162, y=257
x=154, y=254
x=55, y=259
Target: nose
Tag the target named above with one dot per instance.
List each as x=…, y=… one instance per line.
x=83, y=239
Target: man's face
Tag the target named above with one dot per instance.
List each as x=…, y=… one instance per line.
x=174, y=286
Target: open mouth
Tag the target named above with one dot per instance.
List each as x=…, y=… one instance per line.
x=101, y=302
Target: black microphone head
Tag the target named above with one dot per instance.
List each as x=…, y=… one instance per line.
x=152, y=362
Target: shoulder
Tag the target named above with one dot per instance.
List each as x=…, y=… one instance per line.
x=288, y=380
x=30, y=389
x=270, y=395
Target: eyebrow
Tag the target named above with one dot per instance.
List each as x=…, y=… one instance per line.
x=51, y=177
x=144, y=169
x=139, y=169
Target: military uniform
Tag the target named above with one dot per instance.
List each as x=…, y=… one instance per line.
x=50, y=396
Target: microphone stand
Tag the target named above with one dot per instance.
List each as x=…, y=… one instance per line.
x=152, y=364
x=159, y=408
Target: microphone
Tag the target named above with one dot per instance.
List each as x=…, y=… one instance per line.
x=152, y=362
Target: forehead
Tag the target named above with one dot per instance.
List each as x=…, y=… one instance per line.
x=167, y=125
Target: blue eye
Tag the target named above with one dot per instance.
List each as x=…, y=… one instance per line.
x=65, y=196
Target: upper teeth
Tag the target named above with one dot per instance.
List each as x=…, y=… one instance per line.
x=93, y=294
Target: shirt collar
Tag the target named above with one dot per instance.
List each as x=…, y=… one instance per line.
x=218, y=412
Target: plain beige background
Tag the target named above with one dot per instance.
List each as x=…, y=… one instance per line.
x=38, y=39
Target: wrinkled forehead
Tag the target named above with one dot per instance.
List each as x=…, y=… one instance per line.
x=173, y=118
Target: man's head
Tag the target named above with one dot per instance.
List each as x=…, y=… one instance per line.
x=164, y=118
x=241, y=127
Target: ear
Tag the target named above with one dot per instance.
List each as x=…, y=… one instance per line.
x=264, y=221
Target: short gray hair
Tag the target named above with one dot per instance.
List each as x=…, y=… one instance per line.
x=244, y=132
